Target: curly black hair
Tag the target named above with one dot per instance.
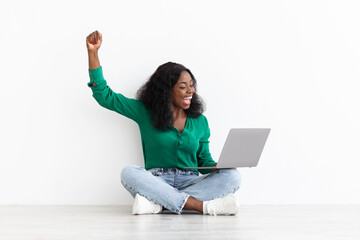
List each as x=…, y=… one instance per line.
x=156, y=94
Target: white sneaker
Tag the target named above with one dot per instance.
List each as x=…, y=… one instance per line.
x=144, y=206
x=227, y=205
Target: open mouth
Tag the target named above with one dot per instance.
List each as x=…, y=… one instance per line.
x=187, y=100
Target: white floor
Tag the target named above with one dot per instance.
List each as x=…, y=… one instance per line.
x=278, y=222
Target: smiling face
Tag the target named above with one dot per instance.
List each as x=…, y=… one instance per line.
x=183, y=90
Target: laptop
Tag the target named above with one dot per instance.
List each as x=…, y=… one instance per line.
x=242, y=148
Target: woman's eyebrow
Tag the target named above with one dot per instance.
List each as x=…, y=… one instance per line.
x=191, y=81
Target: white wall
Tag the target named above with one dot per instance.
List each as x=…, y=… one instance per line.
x=289, y=65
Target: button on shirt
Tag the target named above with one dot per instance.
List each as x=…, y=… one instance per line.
x=161, y=148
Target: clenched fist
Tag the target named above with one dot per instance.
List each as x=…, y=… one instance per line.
x=93, y=41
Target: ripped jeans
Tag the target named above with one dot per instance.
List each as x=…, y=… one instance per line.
x=171, y=187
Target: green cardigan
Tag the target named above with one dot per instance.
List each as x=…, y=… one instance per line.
x=161, y=149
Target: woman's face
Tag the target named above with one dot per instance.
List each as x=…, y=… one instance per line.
x=183, y=90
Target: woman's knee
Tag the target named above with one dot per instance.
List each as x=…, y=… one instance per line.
x=233, y=176
x=129, y=173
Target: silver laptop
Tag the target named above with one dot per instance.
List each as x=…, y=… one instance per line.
x=242, y=148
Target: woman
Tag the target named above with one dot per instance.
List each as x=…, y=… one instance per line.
x=174, y=135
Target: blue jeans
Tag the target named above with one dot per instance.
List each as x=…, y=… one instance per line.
x=171, y=187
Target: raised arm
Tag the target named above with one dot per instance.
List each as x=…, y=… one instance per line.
x=93, y=43
x=102, y=93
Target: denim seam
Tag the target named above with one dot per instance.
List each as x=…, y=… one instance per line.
x=175, y=181
x=127, y=186
x=167, y=207
x=183, y=205
x=233, y=191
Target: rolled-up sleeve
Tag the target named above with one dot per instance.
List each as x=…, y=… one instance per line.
x=107, y=98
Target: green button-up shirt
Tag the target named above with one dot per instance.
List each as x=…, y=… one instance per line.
x=161, y=149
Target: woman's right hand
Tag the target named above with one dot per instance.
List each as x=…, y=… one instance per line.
x=93, y=41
